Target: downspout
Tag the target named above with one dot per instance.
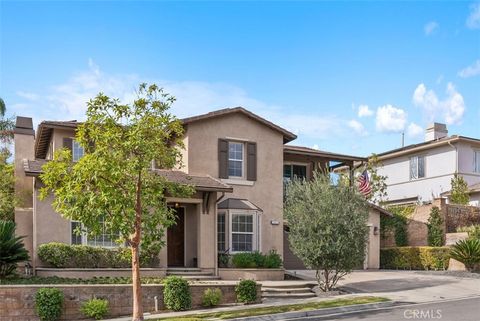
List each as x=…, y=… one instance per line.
x=215, y=236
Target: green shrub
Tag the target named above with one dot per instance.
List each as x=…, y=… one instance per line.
x=246, y=291
x=472, y=230
x=12, y=250
x=415, y=258
x=397, y=223
x=63, y=255
x=467, y=252
x=176, y=294
x=48, y=304
x=257, y=260
x=95, y=308
x=211, y=297
x=223, y=260
x=272, y=260
x=435, y=227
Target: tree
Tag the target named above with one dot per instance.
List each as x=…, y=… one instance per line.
x=114, y=181
x=6, y=124
x=328, y=227
x=7, y=187
x=435, y=227
x=459, y=192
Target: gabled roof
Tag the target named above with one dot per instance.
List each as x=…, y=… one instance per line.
x=200, y=182
x=287, y=136
x=426, y=145
x=301, y=150
x=44, y=134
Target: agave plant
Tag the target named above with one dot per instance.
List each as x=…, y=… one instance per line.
x=12, y=250
x=467, y=252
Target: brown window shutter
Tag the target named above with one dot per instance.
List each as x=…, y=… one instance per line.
x=68, y=144
x=251, y=161
x=222, y=158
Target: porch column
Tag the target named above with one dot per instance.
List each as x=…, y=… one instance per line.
x=206, y=231
x=163, y=255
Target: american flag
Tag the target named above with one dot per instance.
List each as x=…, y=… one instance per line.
x=364, y=184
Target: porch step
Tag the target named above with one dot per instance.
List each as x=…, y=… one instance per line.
x=287, y=290
x=183, y=269
x=188, y=273
x=288, y=295
x=192, y=274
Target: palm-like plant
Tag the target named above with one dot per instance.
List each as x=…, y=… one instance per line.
x=6, y=124
x=467, y=252
x=12, y=250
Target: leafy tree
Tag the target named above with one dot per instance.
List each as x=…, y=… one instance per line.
x=435, y=227
x=7, y=187
x=6, y=124
x=12, y=250
x=328, y=227
x=114, y=180
x=459, y=191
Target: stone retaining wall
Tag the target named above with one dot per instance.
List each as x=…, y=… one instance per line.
x=17, y=301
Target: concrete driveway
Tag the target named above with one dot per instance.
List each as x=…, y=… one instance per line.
x=407, y=286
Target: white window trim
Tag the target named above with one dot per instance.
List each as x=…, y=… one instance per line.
x=424, y=167
x=475, y=151
x=73, y=149
x=84, y=238
x=255, y=229
x=225, y=231
x=242, y=143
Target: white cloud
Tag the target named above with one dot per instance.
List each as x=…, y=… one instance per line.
x=473, y=19
x=430, y=28
x=450, y=110
x=357, y=127
x=414, y=130
x=364, y=111
x=27, y=95
x=470, y=71
x=390, y=119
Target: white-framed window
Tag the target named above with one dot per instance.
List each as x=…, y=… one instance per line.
x=417, y=167
x=235, y=159
x=476, y=161
x=221, y=232
x=77, y=151
x=243, y=231
x=80, y=237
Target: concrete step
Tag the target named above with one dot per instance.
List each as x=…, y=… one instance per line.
x=183, y=269
x=288, y=295
x=187, y=273
x=200, y=277
x=287, y=290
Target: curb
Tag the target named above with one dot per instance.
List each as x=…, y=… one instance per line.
x=319, y=312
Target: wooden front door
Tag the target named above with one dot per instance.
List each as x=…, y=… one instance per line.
x=176, y=240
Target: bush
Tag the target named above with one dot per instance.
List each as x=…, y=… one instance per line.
x=63, y=255
x=12, y=250
x=176, y=294
x=95, y=308
x=467, y=252
x=223, y=260
x=211, y=297
x=272, y=260
x=246, y=291
x=48, y=304
x=415, y=258
x=435, y=227
x=472, y=230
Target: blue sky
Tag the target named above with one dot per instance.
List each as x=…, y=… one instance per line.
x=346, y=77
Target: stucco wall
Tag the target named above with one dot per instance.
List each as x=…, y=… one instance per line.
x=440, y=166
x=266, y=191
x=373, y=252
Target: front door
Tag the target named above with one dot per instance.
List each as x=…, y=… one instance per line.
x=176, y=240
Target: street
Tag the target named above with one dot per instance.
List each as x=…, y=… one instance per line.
x=454, y=310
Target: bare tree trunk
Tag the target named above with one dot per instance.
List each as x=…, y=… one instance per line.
x=137, y=287
x=135, y=245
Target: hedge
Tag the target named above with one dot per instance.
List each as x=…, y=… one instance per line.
x=61, y=255
x=271, y=260
x=415, y=258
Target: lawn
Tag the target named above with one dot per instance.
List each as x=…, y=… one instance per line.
x=242, y=313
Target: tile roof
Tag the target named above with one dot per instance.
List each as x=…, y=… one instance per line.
x=200, y=182
x=238, y=204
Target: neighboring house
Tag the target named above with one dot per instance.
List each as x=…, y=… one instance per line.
x=237, y=162
x=422, y=172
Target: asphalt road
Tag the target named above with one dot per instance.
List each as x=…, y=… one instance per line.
x=458, y=310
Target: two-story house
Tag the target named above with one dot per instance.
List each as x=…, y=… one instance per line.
x=237, y=162
x=422, y=172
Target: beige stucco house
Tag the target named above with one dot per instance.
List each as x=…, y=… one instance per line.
x=237, y=162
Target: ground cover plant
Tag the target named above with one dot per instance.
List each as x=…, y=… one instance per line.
x=60, y=280
x=95, y=308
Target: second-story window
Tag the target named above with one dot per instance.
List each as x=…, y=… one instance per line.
x=476, y=161
x=291, y=172
x=77, y=151
x=417, y=167
x=235, y=159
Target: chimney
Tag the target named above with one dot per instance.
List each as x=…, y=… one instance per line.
x=24, y=140
x=435, y=131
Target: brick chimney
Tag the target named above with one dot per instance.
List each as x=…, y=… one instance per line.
x=436, y=131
